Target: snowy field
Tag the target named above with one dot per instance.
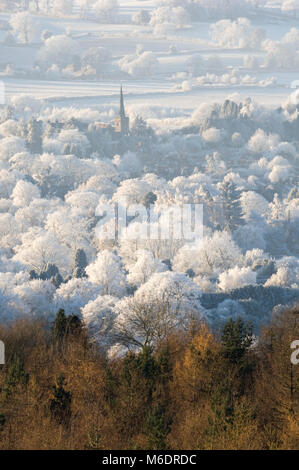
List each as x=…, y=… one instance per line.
x=169, y=82
x=152, y=93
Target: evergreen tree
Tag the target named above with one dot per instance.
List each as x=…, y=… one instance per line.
x=144, y=366
x=51, y=273
x=22, y=129
x=73, y=325
x=34, y=136
x=277, y=207
x=49, y=130
x=16, y=375
x=230, y=377
x=149, y=199
x=144, y=137
x=57, y=280
x=190, y=273
x=72, y=149
x=80, y=264
x=237, y=337
x=60, y=402
x=229, y=110
x=140, y=128
x=157, y=428
x=232, y=205
x=265, y=271
x=293, y=194
x=59, y=326
x=2, y=421
x=65, y=326
x=146, y=363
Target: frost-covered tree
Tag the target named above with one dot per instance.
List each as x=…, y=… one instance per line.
x=212, y=135
x=34, y=136
x=167, y=301
x=62, y=7
x=9, y=231
x=131, y=191
x=9, y=128
x=235, y=278
x=251, y=235
x=251, y=62
x=107, y=272
x=231, y=205
x=253, y=203
x=277, y=209
x=139, y=65
x=237, y=34
x=35, y=213
x=195, y=65
x=9, y=147
x=145, y=266
x=209, y=256
x=99, y=316
x=141, y=17
x=34, y=298
x=71, y=229
x=74, y=142
x=96, y=57
x=106, y=11
x=261, y=142
x=24, y=26
x=214, y=164
x=59, y=50
x=24, y=192
x=287, y=274
x=167, y=19
x=40, y=248
x=128, y=165
x=75, y=294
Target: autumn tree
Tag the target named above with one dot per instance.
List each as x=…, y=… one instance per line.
x=277, y=386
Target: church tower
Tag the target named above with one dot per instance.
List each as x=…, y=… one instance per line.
x=122, y=124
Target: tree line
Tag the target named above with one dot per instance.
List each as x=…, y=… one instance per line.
x=197, y=389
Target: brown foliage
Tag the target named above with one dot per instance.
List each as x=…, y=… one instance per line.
x=184, y=395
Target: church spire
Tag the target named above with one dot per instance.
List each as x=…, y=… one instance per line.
x=122, y=124
x=122, y=106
